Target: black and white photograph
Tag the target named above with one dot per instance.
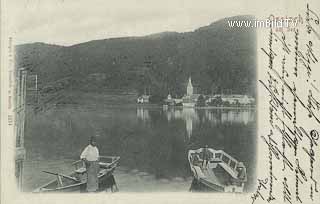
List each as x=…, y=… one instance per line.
x=166, y=111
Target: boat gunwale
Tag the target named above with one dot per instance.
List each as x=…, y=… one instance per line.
x=216, y=151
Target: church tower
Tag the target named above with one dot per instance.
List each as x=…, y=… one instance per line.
x=189, y=88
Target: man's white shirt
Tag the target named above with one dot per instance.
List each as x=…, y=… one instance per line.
x=90, y=153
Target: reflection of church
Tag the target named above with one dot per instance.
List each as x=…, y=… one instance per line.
x=190, y=99
x=189, y=115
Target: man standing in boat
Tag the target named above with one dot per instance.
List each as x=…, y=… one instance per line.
x=90, y=156
x=205, y=157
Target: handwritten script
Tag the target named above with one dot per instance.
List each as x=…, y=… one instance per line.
x=291, y=86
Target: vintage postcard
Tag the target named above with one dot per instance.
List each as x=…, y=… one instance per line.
x=148, y=101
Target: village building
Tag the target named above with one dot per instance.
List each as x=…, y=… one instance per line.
x=143, y=99
x=190, y=99
x=172, y=101
x=232, y=99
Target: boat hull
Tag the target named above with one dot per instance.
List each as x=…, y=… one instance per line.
x=220, y=174
x=106, y=180
x=77, y=181
x=199, y=185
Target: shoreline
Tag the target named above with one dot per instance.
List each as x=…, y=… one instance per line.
x=151, y=106
x=83, y=99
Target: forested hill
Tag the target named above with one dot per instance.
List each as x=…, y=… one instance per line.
x=217, y=57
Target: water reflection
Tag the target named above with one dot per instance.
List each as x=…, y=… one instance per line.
x=192, y=116
x=149, y=139
x=189, y=115
x=143, y=113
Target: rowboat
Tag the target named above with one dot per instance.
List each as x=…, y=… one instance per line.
x=76, y=181
x=223, y=173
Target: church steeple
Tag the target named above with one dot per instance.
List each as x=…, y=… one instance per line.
x=189, y=87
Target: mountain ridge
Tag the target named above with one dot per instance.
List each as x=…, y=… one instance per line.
x=217, y=57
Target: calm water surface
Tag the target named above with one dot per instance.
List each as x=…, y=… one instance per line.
x=150, y=139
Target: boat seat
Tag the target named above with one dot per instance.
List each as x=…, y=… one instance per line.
x=215, y=160
x=81, y=170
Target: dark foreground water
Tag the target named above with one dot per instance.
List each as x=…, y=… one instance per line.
x=150, y=139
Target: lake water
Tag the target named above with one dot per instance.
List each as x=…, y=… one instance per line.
x=149, y=139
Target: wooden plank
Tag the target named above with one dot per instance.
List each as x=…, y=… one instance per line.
x=210, y=176
x=228, y=169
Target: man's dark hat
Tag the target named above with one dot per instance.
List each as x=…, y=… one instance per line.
x=93, y=138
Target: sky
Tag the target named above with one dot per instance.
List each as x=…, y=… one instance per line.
x=68, y=22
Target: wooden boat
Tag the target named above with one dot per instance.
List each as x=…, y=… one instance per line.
x=222, y=174
x=76, y=180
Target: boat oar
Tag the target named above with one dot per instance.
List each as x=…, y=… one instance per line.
x=68, y=177
x=108, y=165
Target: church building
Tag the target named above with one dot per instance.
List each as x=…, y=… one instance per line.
x=189, y=88
x=190, y=99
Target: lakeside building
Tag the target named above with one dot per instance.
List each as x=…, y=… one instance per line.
x=190, y=99
x=172, y=101
x=232, y=99
x=143, y=99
